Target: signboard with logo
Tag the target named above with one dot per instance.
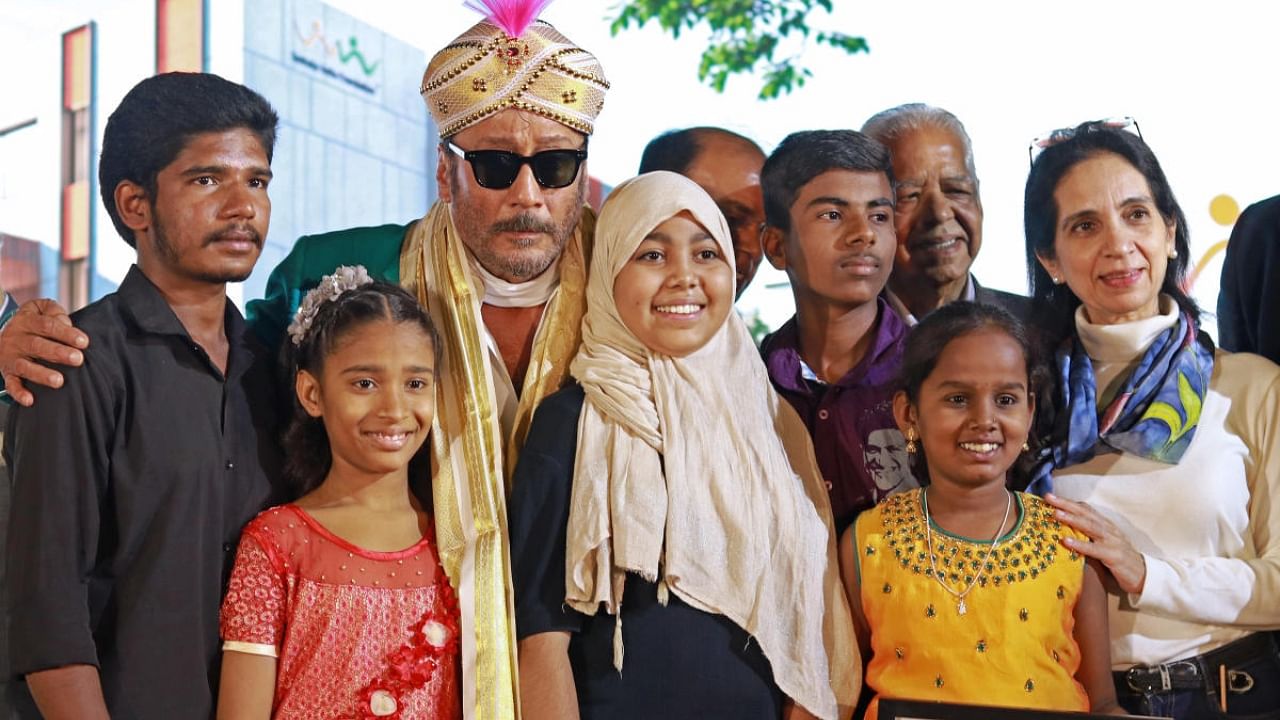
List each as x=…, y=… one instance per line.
x=334, y=53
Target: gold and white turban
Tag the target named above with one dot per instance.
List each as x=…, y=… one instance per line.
x=487, y=70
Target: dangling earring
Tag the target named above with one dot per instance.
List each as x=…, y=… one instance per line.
x=911, y=441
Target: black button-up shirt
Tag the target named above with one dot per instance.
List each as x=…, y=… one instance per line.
x=131, y=485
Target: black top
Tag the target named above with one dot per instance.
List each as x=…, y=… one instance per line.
x=1249, y=300
x=131, y=485
x=679, y=662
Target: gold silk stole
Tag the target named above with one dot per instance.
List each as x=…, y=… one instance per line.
x=471, y=459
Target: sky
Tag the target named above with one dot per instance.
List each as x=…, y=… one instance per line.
x=1198, y=77
x=1194, y=75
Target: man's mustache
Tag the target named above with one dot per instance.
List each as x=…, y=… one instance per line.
x=234, y=234
x=523, y=223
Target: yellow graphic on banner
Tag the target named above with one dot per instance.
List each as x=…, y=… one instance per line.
x=1225, y=211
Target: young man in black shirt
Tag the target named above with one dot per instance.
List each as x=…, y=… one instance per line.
x=132, y=482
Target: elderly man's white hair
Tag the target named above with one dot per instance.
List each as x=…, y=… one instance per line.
x=888, y=125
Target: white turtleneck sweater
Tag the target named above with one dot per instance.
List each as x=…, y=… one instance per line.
x=1208, y=527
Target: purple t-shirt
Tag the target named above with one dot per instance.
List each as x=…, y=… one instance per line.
x=860, y=450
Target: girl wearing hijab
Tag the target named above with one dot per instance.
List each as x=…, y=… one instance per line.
x=671, y=536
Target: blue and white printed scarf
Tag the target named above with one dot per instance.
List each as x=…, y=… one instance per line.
x=1154, y=414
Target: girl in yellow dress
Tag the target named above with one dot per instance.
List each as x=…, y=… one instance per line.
x=962, y=591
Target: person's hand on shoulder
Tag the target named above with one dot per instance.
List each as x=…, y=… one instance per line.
x=1107, y=544
x=39, y=334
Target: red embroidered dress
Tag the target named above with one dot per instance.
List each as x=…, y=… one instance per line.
x=357, y=634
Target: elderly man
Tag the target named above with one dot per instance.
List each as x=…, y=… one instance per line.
x=938, y=216
x=726, y=165
x=498, y=261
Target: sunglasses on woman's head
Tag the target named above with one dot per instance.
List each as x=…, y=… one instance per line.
x=498, y=169
x=1062, y=135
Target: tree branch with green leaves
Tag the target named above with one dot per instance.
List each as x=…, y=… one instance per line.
x=747, y=37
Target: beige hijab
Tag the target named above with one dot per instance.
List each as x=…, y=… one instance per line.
x=692, y=472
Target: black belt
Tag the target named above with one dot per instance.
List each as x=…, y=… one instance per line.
x=1190, y=673
x=1177, y=675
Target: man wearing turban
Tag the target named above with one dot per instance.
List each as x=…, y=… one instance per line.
x=500, y=263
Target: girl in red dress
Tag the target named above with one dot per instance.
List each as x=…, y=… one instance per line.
x=338, y=606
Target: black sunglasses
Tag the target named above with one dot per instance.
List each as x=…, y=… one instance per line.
x=498, y=169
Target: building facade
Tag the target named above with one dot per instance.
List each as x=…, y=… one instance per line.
x=355, y=145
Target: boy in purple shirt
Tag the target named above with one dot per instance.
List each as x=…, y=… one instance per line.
x=828, y=199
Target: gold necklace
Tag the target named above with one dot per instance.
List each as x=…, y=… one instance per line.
x=961, y=608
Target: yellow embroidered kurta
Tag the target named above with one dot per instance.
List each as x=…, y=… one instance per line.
x=1013, y=645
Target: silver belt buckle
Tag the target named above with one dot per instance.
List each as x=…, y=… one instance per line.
x=1131, y=679
x=1166, y=678
x=1239, y=681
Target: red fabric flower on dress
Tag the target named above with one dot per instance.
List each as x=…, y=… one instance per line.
x=437, y=632
x=408, y=666
x=378, y=700
x=431, y=637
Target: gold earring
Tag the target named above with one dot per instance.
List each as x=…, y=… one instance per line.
x=911, y=441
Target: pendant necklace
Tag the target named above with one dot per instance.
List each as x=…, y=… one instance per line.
x=961, y=608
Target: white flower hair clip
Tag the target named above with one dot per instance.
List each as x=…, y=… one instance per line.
x=331, y=287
